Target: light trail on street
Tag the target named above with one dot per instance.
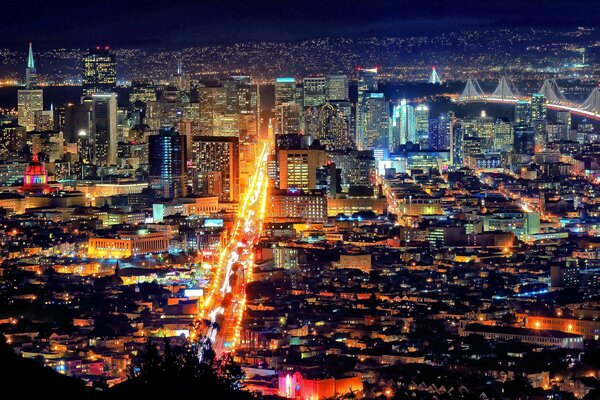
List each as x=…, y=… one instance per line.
x=221, y=309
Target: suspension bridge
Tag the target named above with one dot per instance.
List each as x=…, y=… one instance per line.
x=555, y=99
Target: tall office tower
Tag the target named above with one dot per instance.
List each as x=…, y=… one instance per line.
x=522, y=113
x=288, y=107
x=242, y=95
x=99, y=71
x=180, y=80
x=422, y=125
x=334, y=125
x=167, y=164
x=30, y=101
x=213, y=104
x=103, y=133
x=433, y=133
x=243, y=101
x=285, y=90
x=289, y=118
x=367, y=82
x=336, y=87
x=524, y=140
x=541, y=133
x=313, y=91
x=170, y=107
x=456, y=144
x=403, y=125
x=485, y=130
x=78, y=121
x=563, y=118
x=346, y=110
x=374, y=129
x=298, y=167
x=503, y=135
x=216, y=167
x=30, y=72
x=538, y=106
x=445, y=136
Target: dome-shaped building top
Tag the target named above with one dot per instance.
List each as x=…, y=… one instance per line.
x=36, y=177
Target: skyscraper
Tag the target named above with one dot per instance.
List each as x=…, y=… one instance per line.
x=422, y=124
x=167, y=162
x=441, y=132
x=216, y=167
x=484, y=128
x=538, y=106
x=99, y=71
x=374, y=122
x=288, y=108
x=30, y=101
x=367, y=82
x=103, y=135
x=30, y=71
x=524, y=140
x=336, y=87
x=335, y=120
x=313, y=89
x=403, y=125
x=522, y=113
x=503, y=135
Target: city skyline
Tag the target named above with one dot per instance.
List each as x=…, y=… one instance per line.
x=301, y=200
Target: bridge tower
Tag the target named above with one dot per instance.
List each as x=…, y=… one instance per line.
x=552, y=92
x=472, y=91
x=592, y=103
x=503, y=91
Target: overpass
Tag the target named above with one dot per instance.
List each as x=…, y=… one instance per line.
x=555, y=100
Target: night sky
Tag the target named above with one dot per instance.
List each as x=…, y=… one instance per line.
x=68, y=23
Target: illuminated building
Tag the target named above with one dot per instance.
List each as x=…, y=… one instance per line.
x=216, y=170
x=503, y=135
x=30, y=71
x=334, y=130
x=336, y=87
x=538, y=337
x=212, y=103
x=30, y=102
x=295, y=206
x=524, y=140
x=522, y=113
x=99, y=71
x=298, y=168
x=296, y=386
x=36, y=177
x=103, y=135
x=538, y=106
x=403, y=125
x=484, y=128
x=354, y=204
x=128, y=245
x=373, y=122
x=583, y=322
x=422, y=125
x=446, y=135
x=563, y=118
x=313, y=91
x=367, y=82
x=167, y=161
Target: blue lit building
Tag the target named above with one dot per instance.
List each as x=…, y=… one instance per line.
x=166, y=158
